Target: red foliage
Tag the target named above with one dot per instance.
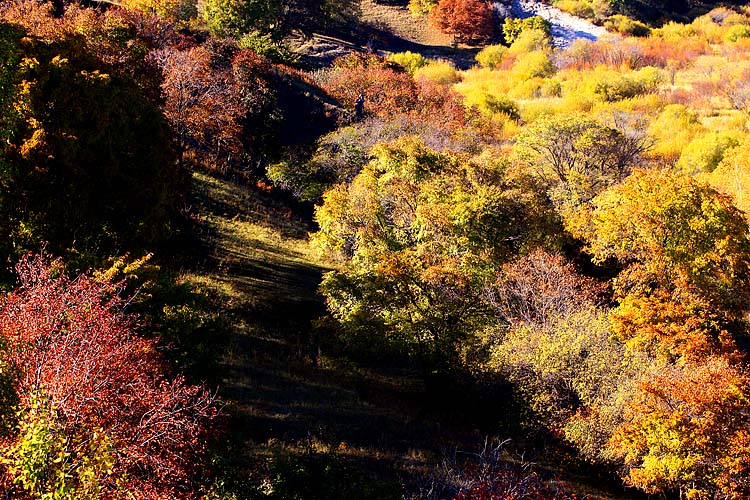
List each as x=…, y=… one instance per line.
x=203, y=106
x=441, y=105
x=71, y=344
x=469, y=21
x=387, y=90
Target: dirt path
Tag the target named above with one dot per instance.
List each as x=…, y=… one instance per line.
x=566, y=28
x=389, y=27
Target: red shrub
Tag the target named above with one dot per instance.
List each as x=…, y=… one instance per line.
x=387, y=90
x=74, y=349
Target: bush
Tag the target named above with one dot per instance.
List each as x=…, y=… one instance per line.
x=491, y=56
x=387, y=88
x=530, y=41
x=410, y=61
x=513, y=27
x=737, y=32
x=267, y=47
x=98, y=418
x=704, y=153
x=576, y=7
x=535, y=64
x=421, y=7
x=441, y=72
x=626, y=26
x=493, y=473
x=87, y=158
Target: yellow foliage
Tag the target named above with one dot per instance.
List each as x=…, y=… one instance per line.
x=536, y=64
x=673, y=130
x=441, y=72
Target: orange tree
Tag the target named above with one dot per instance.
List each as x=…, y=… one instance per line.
x=469, y=21
x=683, y=296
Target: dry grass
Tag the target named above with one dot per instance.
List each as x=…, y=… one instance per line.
x=397, y=19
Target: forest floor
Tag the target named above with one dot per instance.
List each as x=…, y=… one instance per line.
x=281, y=392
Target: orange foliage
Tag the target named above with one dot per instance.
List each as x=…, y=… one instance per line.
x=469, y=21
x=688, y=429
x=633, y=54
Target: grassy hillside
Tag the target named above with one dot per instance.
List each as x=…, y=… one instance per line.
x=293, y=398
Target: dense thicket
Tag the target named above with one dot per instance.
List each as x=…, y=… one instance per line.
x=87, y=157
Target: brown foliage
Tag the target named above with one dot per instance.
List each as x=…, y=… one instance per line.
x=203, y=106
x=538, y=288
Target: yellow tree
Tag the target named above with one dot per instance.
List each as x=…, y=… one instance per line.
x=420, y=233
x=684, y=248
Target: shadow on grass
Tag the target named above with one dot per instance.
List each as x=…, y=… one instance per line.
x=380, y=420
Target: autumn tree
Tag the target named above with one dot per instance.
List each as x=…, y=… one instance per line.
x=687, y=431
x=469, y=21
x=539, y=287
x=684, y=248
x=420, y=233
x=387, y=88
x=576, y=157
x=203, y=106
x=97, y=418
x=87, y=156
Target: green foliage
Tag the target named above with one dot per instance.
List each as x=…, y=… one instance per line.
x=237, y=18
x=420, y=232
x=491, y=56
x=572, y=362
x=42, y=462
x=339, y=156
x=514, y=27
x=614, y=86
x=531, y=41
x=185, y=316
x=410, y=61
x=421, y=7
x=704, y=153
x=266, y=46
x=492, y=104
